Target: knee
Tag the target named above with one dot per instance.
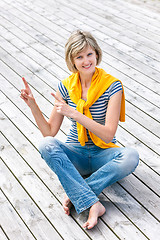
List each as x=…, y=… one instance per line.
x=132, y=158
x=50, y=151
x=46, y=146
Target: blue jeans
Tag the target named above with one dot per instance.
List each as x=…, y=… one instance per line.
x=71, y=162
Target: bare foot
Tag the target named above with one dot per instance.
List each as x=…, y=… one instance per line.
x=96, y=211
x=67, y=204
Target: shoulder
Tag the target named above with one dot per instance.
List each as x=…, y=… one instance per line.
x=63, y=90
x=114, y=83
x=114, y=88
x=69, y=81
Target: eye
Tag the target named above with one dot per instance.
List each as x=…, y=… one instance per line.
x=79, y=57
x=89, y=54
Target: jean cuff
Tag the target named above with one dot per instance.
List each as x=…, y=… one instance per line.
x=80, y=210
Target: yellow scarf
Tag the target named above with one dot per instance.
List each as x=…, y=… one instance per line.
x=100, y=83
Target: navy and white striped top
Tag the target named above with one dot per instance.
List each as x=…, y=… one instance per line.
x=98, y=110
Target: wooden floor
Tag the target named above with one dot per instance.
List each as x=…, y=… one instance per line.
x=32, y=38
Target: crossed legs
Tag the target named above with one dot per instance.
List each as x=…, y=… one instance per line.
x=106, y=167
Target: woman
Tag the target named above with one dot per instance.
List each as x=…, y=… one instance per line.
x=94, y=101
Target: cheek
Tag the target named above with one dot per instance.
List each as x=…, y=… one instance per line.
x=94, y=60
x=77, y=63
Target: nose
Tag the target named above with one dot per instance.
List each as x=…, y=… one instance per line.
x=86, y=61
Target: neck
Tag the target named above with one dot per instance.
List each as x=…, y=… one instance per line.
x=86, y=79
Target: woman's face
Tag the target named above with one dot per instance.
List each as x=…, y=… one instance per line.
x=86, y=61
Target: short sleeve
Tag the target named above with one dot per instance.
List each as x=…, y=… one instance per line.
x=114, y=88
x=63, y=91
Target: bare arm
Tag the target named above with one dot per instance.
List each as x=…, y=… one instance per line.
x=105, y=132
x=47, y=128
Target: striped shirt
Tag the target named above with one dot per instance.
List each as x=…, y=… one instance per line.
x=98, y=110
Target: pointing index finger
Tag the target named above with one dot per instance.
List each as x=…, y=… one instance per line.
x=25, y=82
x=57, y=98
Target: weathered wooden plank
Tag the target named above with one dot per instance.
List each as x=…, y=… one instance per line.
x=116, y=15
x=152, y=179
x=118, y=25
x=26, y=208
x=117, y=6
x=146, y=155
x=3, y=235
x=36, y=25
x=152, y=6
x=151, y=124
x=125, y=12
x=11, y=222
x=137, y=189
x=130, y=60
x=143, y=135
x=122, y=36
x=7, y=26
x=33, y=66
x=144, y=9
x=112, y=40
x=146, y=222
x=136, y=11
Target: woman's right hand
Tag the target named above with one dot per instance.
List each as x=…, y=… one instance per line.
x=26, y=94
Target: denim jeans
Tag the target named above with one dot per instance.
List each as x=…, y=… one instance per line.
x=71, y=162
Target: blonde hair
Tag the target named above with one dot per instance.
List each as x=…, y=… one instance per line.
x=78, y=41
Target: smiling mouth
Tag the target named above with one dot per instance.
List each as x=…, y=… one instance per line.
x=88, y=66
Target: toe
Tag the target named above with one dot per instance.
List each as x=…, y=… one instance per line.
x=91, y=225
x=66, y=209
x=85, y=225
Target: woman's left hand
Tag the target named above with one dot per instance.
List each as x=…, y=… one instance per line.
x=62, y=107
